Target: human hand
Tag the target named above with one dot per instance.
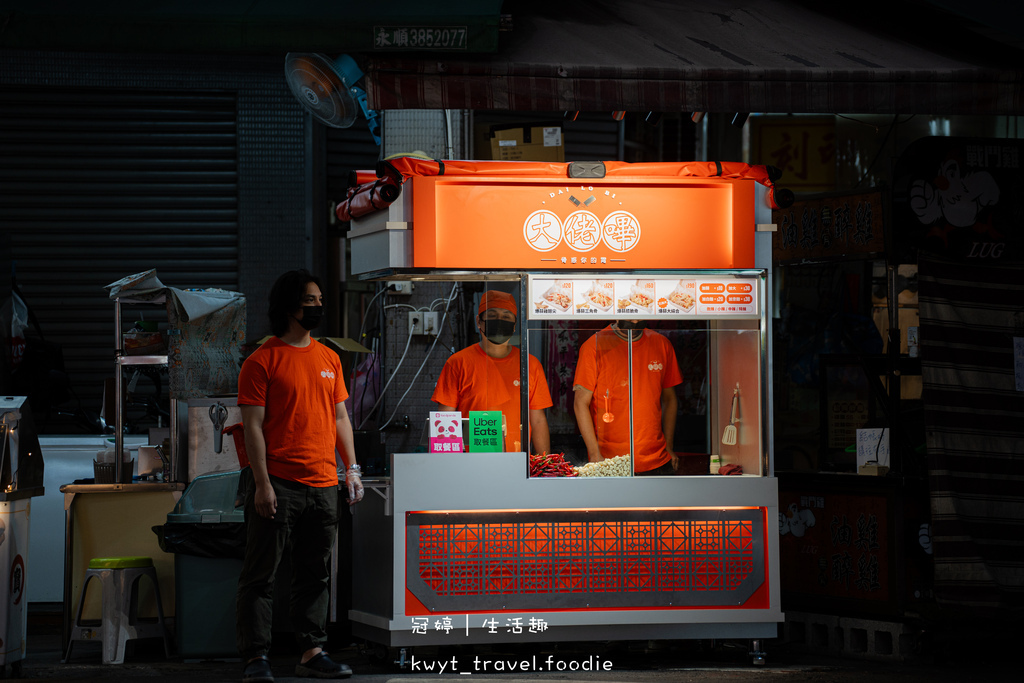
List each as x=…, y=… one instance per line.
x=265, y=500
x=354, y=482
x=674, y=459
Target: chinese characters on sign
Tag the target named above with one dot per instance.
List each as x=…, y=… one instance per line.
x=445, y=624
x=845, y=418
x=865, y=544
x=485, y=431
x=844, y=554
x=836, y=226
x=445, y=432
x=419, y=37
x=804, y=149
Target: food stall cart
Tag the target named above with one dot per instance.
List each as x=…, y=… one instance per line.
x=464, y=547
x=21, y=479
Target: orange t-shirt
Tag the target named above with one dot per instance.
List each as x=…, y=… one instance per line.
x=602, y=369
x=299, y=388
x=472, y=380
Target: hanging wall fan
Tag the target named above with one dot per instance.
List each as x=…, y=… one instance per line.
x=329, y=89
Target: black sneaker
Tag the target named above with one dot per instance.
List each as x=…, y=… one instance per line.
x=322, y=666
x=258, y=671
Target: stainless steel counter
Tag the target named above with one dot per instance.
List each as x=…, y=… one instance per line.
x=467, y=539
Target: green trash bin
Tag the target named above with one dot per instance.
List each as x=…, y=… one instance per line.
x=206, y=533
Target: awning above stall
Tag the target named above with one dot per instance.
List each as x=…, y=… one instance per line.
x=250, y=26
x=694, y=56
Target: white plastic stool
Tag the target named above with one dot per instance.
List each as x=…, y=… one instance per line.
x=119, y=584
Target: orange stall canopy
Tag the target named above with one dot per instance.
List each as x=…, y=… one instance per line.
x=486, y=215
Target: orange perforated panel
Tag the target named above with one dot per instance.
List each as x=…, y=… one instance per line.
x=585, y=560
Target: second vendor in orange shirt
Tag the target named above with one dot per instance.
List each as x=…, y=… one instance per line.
x=601, y=400
x=485, y=376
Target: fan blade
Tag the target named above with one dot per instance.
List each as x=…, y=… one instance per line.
x=320, y=89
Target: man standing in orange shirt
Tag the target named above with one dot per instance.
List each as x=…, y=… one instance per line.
x=601, y=401
x=485, y=376
x=291, y=393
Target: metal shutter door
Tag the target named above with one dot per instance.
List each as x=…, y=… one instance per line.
x=96, y=184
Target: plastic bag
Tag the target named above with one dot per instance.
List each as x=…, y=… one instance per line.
x=36, y=365
x=213, y=539
x=365, y=385
x=14, y=321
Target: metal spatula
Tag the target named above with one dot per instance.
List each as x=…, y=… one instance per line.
x=729, y=435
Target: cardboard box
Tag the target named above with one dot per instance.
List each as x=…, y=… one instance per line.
x=527, y=143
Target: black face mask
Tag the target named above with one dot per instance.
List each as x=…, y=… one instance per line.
x=311, y=317
x=498, y=331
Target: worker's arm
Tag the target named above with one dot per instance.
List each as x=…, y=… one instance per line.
x=669, y=408
x=539, y=433
x=345, y=443
x=445, y=409
x=256, y=450
x=581, y=406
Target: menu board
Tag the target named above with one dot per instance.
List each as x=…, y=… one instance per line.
x=642, y=298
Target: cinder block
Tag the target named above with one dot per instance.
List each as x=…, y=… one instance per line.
x=860, y=638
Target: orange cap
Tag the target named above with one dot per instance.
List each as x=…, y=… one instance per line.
x=494, y=298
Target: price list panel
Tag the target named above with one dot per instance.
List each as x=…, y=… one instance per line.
x=643, y=298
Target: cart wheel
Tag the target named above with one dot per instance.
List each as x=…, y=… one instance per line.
x=403, y=658
x=377, y=653
x=757, y=655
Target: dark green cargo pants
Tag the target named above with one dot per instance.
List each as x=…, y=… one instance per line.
x=306, y=522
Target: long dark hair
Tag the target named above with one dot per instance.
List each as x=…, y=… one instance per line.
x=286, y=297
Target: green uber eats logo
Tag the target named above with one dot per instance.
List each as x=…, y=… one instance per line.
x=485, y=431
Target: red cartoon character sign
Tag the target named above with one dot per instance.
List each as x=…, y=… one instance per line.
x=445, y=432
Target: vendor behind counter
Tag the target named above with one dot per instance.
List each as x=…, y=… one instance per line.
x=485, y=376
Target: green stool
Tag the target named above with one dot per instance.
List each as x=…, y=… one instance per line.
x=119, y=582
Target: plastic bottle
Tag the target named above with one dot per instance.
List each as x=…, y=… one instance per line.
x=716, y=463
x=106, y=456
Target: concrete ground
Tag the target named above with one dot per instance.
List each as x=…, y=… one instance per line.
x=628, y=662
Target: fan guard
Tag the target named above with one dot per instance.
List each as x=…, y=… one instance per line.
x=323, y=91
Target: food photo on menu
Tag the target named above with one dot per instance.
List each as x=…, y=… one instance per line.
x=558, y=296
x=599, y=297
x=682, y=296
x=641, y=295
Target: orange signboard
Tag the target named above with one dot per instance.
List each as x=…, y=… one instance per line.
x=487, y=223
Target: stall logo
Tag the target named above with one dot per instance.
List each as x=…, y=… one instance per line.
x=17, y=586
x=582, y=230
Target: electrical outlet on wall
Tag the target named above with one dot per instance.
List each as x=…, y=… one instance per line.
x=401, y=286
x=423, y=322
x=430, y=323
x=415, y=322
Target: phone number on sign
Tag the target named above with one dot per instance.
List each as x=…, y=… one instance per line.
x=420, y=37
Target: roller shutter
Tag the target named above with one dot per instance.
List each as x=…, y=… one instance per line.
x=96, y=184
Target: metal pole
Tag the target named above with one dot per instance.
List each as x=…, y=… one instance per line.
x=118, y=389
x=524, y=372
x=629, y=385
x=893, y=349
